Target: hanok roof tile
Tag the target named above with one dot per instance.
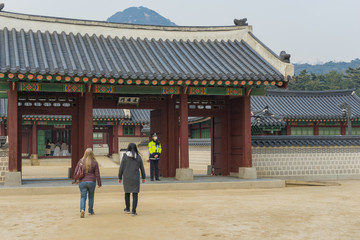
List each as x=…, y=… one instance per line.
x=308, y=104
x=48, y=49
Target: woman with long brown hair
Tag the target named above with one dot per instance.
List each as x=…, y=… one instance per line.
x=88, y=183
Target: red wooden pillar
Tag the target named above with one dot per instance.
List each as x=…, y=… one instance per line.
x=19, y=143
x=85, y=126
x=88, y=120
x=184, y=141
x=343, y=129
x=245, y=122
x=75, y=156
x=164, y=163
x=316, y=129
x=288, y=129
x=13, y=130
x=116, y=138
x=82, y=128
x=120, y=130
x=2, y=128
x=111, y=141
x=137, y=130
x=172, y=132
x=239, y=134
x=34, y=139
x=226, y=139
x=80, y=125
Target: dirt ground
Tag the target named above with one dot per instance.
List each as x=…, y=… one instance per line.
x=50, y=168
x=305, y=212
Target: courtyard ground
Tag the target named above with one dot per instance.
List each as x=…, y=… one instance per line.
x=303, y=212
x=58, y=168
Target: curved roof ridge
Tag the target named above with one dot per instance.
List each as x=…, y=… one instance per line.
x=276, y=92
x=264, y=45
x=50, y=19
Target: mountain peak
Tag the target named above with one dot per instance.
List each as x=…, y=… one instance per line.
x=140, y=15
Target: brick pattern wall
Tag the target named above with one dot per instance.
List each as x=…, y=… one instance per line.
x=4, y=163
x=307, y=163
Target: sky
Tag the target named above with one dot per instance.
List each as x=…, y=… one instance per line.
x=312, y=31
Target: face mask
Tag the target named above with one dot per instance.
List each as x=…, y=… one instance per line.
x=155, y=138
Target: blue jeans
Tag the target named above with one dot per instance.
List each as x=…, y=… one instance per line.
x=87, y=187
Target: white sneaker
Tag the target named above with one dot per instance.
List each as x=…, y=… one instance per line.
x=82, y=214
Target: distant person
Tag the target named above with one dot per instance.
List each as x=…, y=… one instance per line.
x=64, y=149
x=154, y=156
x=52, y=148
x=88, y=183
x=47, y=149
x=57, y=151
x=129, y=173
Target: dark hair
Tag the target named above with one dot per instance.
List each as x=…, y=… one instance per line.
x=133, y=149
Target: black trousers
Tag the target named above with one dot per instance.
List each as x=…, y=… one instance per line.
x=154, y=167
x=135, y=201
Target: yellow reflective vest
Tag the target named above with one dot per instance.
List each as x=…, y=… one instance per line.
x=154, y=147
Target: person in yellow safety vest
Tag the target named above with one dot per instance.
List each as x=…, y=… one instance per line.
x=154, y=157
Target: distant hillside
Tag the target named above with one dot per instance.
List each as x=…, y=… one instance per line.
x=327, y=67
x=140, y=15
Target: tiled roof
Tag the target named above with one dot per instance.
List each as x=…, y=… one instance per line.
x=48, y=117
x=267, y=121
x=65, y=49
x=281, y=141
x=140, y=116
x=307, y=104
x=109, y=113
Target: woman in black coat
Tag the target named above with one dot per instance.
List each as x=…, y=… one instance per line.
x=129, y=172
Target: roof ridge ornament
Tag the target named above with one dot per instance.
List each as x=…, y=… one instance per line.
x=2, y=5
x=241, y=22
x=285, y=57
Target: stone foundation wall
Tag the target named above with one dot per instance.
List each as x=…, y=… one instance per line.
x=307, y=163
x=4, y=163
x=199, y=157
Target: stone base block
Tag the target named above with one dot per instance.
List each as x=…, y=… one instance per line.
x=116, y=157
x=184, y=174
x=34, y=160
x=245, y=173
x=12, y=179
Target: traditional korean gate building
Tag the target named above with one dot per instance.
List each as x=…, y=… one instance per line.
x=108, y=126
x=55, y=66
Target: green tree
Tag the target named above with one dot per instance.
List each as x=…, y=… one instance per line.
x=329, y=81
x=353, y=75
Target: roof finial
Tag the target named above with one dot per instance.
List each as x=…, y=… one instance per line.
x=285, y=57
x=2, y=5
x=240, y=22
